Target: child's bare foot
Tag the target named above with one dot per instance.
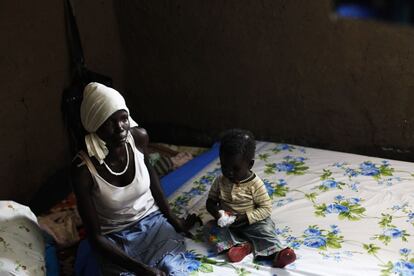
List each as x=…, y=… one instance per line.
x=286, y=256
x=238, y=252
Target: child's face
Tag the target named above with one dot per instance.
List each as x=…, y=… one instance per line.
x=235, y=167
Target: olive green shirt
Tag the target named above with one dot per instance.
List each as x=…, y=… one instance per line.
x=250, y=198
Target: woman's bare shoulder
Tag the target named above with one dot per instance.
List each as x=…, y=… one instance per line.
x=80, y=174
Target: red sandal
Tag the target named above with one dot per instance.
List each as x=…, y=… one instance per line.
x=238, y=252
x=286, y=256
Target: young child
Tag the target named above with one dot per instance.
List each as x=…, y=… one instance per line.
x=241, y=206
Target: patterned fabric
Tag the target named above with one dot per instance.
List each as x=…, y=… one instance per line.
x=343, y=214
x=250, y=198
x=162, y=164
x=22, y=249
x=261, y=235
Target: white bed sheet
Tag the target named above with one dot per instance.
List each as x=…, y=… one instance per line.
x=344, y=214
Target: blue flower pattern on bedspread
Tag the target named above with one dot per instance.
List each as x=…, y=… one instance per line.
x=356, y=212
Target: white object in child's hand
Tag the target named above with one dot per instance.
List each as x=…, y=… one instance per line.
x=225, y=219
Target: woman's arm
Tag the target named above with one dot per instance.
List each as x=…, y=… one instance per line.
x=82, y=184
x=141, y=141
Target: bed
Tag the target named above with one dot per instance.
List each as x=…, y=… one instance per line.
x=25, y=249
x=344, y=214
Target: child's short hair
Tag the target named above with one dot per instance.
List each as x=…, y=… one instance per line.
x=238, y=141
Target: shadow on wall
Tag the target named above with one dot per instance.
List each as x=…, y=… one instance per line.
x=180, y=135
x=53, y=190
x=283, y=69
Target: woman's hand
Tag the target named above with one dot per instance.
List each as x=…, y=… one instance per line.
x=191, y=220
x=155, y=272
x=184, y=225
x=181, y=227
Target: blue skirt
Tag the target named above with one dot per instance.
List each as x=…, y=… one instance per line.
x=152, y=241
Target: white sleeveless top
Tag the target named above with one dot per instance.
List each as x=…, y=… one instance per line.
x=120, y=207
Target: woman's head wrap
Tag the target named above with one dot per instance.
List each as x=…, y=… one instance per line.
x=98, y=104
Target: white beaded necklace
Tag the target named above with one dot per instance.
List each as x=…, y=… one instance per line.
x=126, y=167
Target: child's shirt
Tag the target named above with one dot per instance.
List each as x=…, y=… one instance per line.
x=250, y=198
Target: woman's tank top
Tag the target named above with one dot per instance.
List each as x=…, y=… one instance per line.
x=120, y=207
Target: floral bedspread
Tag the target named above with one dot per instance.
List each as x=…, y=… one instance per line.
x=344, y=214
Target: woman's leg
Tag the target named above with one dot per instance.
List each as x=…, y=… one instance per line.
x=152, y=241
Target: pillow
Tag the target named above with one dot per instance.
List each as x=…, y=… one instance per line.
x=22, y=249
x=62, y=226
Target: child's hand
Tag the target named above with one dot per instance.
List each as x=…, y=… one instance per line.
x=241, y=219
x=220, y=213
x=225, y=219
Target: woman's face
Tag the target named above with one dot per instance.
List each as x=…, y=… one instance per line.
x=114, y=130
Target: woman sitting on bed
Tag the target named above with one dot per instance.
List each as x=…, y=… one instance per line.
x=129, y=223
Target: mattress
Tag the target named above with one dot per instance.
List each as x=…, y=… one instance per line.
x=343, y=214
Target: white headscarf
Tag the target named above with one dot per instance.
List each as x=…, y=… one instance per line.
x=98, y=104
